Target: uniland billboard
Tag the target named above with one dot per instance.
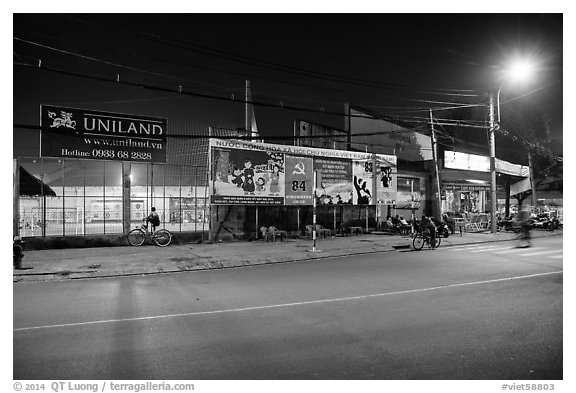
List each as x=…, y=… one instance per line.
x=84, y=133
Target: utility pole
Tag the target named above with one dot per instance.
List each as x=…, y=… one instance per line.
x=126, y=190
x=315, y=181
x=438, y=214
x=412, y=203
x=247, y=113
x=494, y=227
x=348, y=127
x=532, y=182
x=16, y=197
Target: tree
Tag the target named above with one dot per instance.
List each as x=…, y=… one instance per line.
x=546, y=167
x=537, y=143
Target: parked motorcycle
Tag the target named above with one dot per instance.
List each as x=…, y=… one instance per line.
x=442, y=229
x=551, y=224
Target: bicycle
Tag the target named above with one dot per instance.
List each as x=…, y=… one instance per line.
x=523, y=237
x=137, y=236
x=422, y=237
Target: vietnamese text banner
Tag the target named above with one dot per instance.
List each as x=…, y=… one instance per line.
x=299, y=180
x=248, y=177
x=362, y=181
x=335, y=181
x=84, y=133
x=293, y=150
x=387, y=181
x=261, y=173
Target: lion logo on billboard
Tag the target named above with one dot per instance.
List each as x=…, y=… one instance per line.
x=64, y=121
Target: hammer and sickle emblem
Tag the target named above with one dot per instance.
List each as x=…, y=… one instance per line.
x=299, y=169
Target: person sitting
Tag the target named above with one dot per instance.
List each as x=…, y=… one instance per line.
x=450, y=222
x=404, y=226
x=388, y=224
x=153, y=219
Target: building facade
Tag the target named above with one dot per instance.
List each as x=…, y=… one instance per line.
x=84, y=172
x=463, y=182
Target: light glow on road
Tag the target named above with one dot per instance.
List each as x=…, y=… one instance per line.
x=274, y=306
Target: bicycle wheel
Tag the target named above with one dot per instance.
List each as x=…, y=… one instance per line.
x=418, y=242
x=136, y=237
x=438, y=239
x=162, y=237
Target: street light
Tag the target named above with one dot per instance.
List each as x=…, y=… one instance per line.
x=520, y=70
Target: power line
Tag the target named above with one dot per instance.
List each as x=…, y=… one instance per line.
x=530, y=92
x=197, y=66
x=118, y=81
x=219, y=88
x=272, y=138
x=273, y=65
x=107, y=62
x=426, y=109
x=180, y=90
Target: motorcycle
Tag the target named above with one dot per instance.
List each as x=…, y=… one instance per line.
x=442, y=229
x=551, y=224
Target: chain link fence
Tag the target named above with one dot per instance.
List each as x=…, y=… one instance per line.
x=85, y=197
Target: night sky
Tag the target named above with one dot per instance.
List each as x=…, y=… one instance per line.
x=396, y=64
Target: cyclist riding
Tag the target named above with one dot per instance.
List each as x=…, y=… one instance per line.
x=428, y=224
x=153, y=219
x=522, y=222
x=160, y=237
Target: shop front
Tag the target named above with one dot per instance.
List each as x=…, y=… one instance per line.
x=465, y=181
x=465, y=197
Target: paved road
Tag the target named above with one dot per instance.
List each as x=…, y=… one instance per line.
x=469, y=312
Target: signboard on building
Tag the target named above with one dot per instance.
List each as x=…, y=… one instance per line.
x=521, y=186
x=84, y=133
x=267, y=174
x=474, y=162
x=511, y=169
x=316, y=135
x=465, y=186
x=386, y=137
x=465, y=161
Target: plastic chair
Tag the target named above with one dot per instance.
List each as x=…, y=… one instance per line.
x=265, y=234
x=323, y=231
x=274, y=232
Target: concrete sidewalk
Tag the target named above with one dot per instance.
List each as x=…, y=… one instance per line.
x=65, y=264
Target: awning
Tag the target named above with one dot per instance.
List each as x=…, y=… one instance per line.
x=475, y=178
x=30, y=185
x=458, y=176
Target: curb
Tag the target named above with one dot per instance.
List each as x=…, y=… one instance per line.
x=66, y=275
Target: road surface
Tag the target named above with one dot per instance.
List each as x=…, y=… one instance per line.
x=485, y=311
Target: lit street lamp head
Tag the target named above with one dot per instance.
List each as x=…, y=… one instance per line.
x=520, y=70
